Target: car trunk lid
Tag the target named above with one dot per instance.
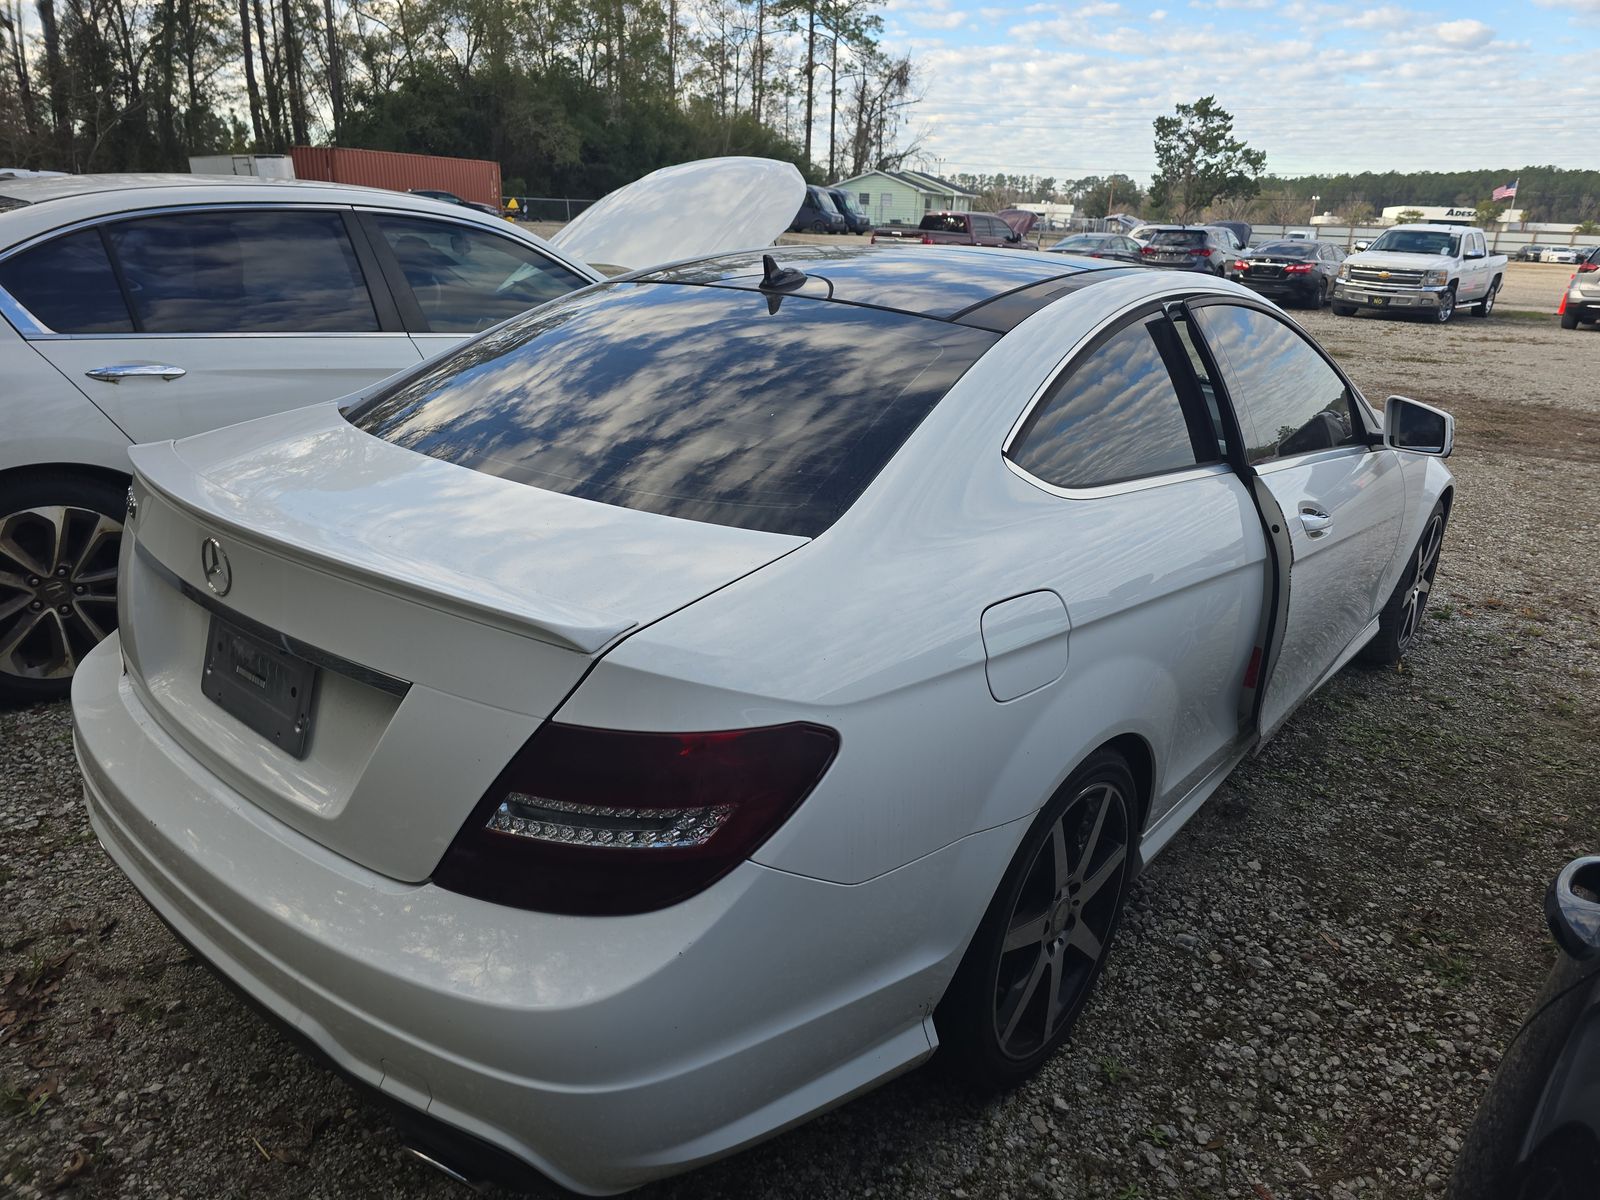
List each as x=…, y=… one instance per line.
x=686, y=211
x=435, y=616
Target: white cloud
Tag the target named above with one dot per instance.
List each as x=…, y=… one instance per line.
x=937, y=20
x=1053, y=94
x=1465, y=32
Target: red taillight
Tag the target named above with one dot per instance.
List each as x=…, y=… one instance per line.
x=1297, y=269
x=1589, y=266
x=1240, y=264
x=601, y=822
x=1201, y=252
x=927, y=239
x=1147, y=249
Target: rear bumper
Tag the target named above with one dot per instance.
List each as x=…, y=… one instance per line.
x=604, y=1052
x=1283, y=287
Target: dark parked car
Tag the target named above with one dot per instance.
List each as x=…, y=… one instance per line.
x=1537, y=1132
x=818, y=214
x=858, y=221
x=1292, y=272
x=1192, y=248
x=452, y=198
x=1100, y=245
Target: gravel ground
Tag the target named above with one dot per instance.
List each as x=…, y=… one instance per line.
x=1313, y=985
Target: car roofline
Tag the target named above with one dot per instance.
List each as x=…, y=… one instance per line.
x=1022, y=300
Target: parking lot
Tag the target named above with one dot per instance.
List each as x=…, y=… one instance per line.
x=1312, y=986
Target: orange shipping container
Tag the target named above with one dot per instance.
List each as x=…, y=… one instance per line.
x=470, y=178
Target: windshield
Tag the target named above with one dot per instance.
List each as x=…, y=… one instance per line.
x=846, y=205
x=822, y=200
x=1418, y=241
x=712, y=404
x=1178, y=237
x=1083, y=241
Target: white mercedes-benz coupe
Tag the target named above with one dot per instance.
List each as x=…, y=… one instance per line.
x=136, y=308
x=697, y=700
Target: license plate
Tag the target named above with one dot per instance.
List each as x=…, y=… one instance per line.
x=1172, y=257
x=261, y=684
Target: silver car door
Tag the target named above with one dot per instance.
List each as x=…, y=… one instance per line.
x=207, y=317
x=1333, y=501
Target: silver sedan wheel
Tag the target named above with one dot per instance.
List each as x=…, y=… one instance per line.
x=1062, y=921
x=58, y=588
x=1423, y=565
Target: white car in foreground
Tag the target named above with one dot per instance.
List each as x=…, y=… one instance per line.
x=699, y=699
x=136, y=308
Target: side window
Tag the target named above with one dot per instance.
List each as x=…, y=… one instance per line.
x=468, y=279
x=67, y=284
x=1290, y=400
x=1112, y=417
x=249, y=271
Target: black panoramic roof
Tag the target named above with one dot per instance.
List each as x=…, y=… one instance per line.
x=943, y=283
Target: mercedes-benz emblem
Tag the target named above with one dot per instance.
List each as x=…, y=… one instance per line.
x=214, y=562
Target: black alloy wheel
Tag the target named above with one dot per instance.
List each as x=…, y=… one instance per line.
x=58, y=580
x=1044, y=940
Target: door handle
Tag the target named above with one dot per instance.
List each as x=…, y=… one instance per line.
x=1314, y=521
x=120, y=371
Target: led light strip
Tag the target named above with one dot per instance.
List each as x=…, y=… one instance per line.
x=563, y=823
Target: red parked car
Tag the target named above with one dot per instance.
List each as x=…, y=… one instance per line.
x=960, y=229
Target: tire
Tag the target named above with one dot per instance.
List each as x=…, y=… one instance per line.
x=1343, y=310
x=1059, y=904
x=819, y=227
x=59, y=538
x=1401, y=618
x=1569, y=320
x=1487, y=1167
x=1485, y=307
x=1447, y=307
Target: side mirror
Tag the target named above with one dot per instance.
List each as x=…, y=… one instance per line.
x=1473, y=254
x=1418, y=428
x=1572, y=908
x=1360, y=246
x=1015, y=237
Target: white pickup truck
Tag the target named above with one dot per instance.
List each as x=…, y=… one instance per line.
x=1429, y=269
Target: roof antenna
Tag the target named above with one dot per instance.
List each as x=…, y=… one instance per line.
x=779, y=279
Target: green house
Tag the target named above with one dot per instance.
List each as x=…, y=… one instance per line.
x=902, y=197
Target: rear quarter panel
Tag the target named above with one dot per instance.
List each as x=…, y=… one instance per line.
x=874, y=629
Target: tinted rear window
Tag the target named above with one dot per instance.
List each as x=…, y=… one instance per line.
x=1178, y=237
x=694, y=402
x=1289, y=249
x=67, y=283
x=943, y=223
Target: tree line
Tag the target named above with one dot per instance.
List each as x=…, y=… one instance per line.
x=572, y=97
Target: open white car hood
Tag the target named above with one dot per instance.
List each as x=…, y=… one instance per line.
x=686, y=211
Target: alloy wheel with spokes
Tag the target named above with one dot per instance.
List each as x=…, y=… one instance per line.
x=58, y=591
x=1062, y=921
x=1447, y=307
x=1401, y=618
x=1044, y=940
x=1424, y=563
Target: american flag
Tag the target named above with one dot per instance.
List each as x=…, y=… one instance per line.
x=1508, y=192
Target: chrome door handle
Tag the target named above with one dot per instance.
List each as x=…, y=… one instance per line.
x=120, y=371
x=1314, y=521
